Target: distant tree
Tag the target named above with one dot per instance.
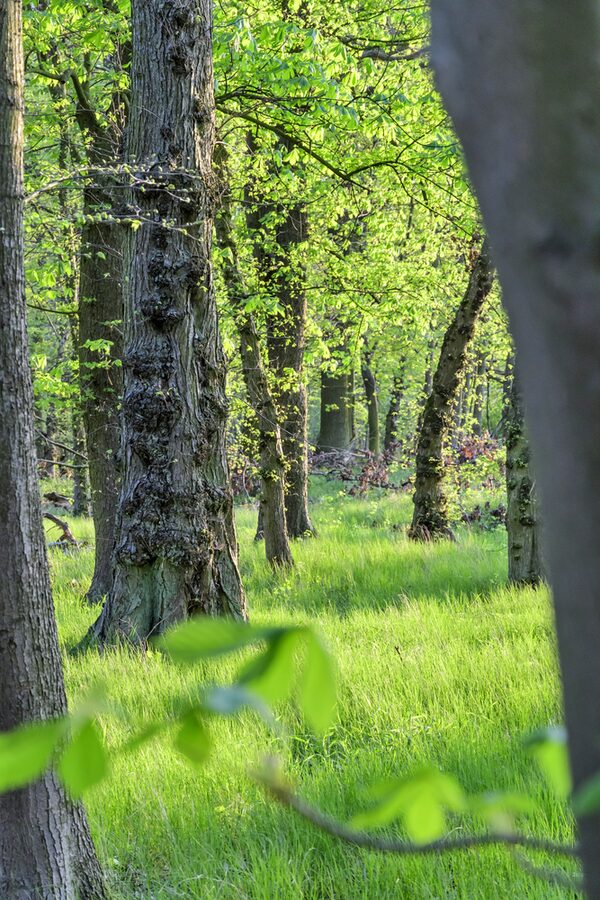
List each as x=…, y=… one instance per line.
x=280, y=229
x=254, y=368
x=430, y=516
x=175, y=547
x=370, y=386
x=45, y=844
x=534, y=68
x=523, y=525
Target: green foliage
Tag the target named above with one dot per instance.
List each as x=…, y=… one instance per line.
x=420, y=800
x=548, y=746
x=25, y=753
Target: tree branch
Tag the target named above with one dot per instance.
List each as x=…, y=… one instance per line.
x=326, y=823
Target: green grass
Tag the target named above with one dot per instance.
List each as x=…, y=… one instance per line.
x=439, y=662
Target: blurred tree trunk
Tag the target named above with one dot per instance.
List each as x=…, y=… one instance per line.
x=45, y=845
x=534, y=165
x=522, y=511
x=175, y=547
x=430, y=516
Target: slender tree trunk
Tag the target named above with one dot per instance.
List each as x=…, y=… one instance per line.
x=522, y=511
x=45, y=846
x=176, y=547
x=100, y=318
x=430, y=517
x=478, y=403
x=283, y=274
x=370, y=386
x=535, y=168
x=100, y=307
x=286, y=342
x=272, y=462
x=337, y=411
x=390, y=440
x=49, y=447
x=80, y=484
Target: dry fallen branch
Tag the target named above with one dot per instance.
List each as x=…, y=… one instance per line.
x=67, y=534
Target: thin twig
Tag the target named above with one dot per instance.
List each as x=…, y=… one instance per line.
x=337, y=829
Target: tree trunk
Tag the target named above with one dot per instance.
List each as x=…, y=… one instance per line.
x=370, y=386
x=480, y=378
x=522, y=513
x=337, y=411
x=80, y=493
x=390, y=440
x=534, y=165
x=430, y=517
x=175, y=547
x=272, y=515
x=276, y=250
x=45, y=846
x=286, y=342
x=100, y=318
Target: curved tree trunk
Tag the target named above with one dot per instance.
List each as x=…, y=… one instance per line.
x=534, y=165
x=175, y=547
x=336, y=430
x=272, y=515
x=430, y=516
x=45, y=846
x=522, y=512
x=370, y=386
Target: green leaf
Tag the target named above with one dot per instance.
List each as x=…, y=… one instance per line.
x=271, y=674
x=586, y=800
x=420, y=800
x=192, y=739
x=548, y=746
x=84, y=763
x=25, y=753
x=317, y=689
x=205, y=637
x=499, y=810
x=227, y=701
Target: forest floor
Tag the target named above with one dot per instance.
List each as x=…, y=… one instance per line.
x=439, y=663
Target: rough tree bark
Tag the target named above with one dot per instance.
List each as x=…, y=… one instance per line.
x=370, y=386
x=522, y=509
x=175, y=547
x=272, y=461
x=45, y=846
x=430, y=516
x=336, y=430
x=534, y=165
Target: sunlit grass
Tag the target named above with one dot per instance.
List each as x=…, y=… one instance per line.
x=439, y=662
